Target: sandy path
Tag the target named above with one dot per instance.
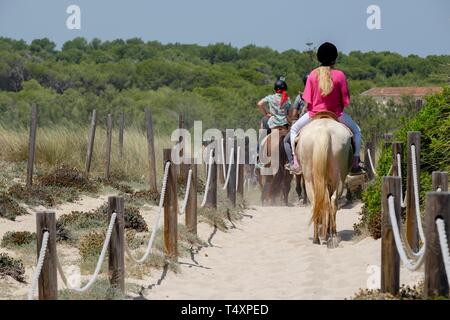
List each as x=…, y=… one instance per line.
x=271, y=256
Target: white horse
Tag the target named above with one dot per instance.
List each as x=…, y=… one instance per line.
x=325, y=152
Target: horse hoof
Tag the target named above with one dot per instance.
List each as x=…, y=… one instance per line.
x=316, y=241
x=333, y=242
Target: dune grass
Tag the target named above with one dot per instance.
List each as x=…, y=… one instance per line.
x=57, y=146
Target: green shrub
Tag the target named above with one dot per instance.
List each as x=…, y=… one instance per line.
x=11, y=267
x=77, y=220
x=68, y=177
x=9, y=208
x=433, y=121
x=43, y=195
x=134, y=220
x=405, y=293
x=12, y=239
x=91, y=244
x=63, y=234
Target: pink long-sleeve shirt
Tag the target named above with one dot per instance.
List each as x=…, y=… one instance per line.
x=335, y=102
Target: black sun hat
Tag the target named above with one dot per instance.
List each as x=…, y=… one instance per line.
x=327, y=54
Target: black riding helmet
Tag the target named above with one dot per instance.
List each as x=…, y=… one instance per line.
x=280, y=84
x=327, y=54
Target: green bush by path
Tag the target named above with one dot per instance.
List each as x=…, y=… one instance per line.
x=433, y=121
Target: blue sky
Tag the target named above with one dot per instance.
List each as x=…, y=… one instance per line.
x=408, y=26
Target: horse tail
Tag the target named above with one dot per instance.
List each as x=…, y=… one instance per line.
x=322, y=148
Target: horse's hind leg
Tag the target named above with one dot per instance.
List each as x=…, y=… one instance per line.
x=287, y=188
x=305, y=192
x=316, y=234
x=298, y=186
x=266, y=194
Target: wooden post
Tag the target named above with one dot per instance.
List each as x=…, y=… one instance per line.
x=231, y=188
x=170, y=209
x=91, y=139
x=369, y=148
x=211, y=197
x=108, y=147
x=32, y=144
x=390, y=260
x=191, y=206
x=151, y=151
x=121, y=133
x=116, y=245
x=48, y=280
x=439, y=180
x=240, y=163
x=397, y=148
x=411, y=220
x=437, y=205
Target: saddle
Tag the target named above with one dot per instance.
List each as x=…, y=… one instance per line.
x=327, y=115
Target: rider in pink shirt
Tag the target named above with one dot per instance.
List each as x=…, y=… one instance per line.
x=335, y=102
x=327, y=90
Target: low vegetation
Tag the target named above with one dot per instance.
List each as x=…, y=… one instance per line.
x=14, y=239
x=11, y=267
x=9, y=208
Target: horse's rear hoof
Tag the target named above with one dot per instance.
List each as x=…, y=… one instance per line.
x=316, y=241
x=333, y=242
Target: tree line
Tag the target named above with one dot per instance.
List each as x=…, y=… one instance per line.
x=218, y=83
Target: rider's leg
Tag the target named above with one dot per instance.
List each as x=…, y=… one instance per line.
x=287, y=148
x=296, y=127
x=348, y=121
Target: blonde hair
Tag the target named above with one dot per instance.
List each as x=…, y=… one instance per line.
x=325, y=82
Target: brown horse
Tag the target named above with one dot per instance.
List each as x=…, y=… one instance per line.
x=293, y=115
x=275, y=182
x=325, y=153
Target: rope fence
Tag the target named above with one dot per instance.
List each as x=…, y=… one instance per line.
x=434, y=248
x=48, y=265
x=99, y=264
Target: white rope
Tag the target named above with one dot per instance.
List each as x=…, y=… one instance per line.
x=416, y=193
x=440, y=224
x=224, y=168
x=186, y=196
x=399, y=168
x=230, y=163
x=208, y=179
x=371, y=163
x=148, y=251
x=40, y=263
x=408, y=263
x=237, y=166
x=99, y=262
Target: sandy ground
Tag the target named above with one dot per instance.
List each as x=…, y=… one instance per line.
x=267, y=255
x=270, y=255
